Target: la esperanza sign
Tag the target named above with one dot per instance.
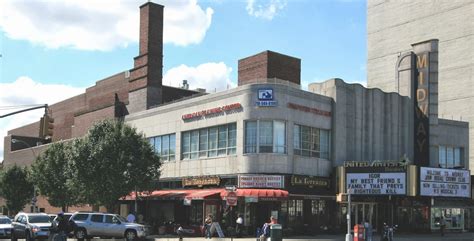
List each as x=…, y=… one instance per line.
x=445, y=182
x=261, y=181
x=376, y=183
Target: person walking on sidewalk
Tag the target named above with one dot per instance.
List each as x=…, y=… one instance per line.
x=239, y=223
x=442, y=225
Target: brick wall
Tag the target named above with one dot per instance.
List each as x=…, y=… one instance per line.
x=268, y=65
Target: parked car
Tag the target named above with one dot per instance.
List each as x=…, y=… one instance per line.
x=31, y=226
x=105, y=225
x=5, y=227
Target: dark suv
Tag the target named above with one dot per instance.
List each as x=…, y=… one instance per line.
x=31, y=226
x=105, y=225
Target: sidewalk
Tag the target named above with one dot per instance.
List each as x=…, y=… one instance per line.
x=339, y=237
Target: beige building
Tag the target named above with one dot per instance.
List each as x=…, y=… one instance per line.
x=393, y=26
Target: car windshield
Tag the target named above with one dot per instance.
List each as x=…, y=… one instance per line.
x=5, y=221
x=121, y=219
x=39, y=219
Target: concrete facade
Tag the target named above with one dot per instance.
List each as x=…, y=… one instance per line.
x=167, y=119
x=392, y=27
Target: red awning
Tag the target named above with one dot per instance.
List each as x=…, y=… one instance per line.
x=200, y=194
x=260, y=193
x=203, y=193
x=176, y=194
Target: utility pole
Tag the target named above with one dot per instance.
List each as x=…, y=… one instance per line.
x=348, y=216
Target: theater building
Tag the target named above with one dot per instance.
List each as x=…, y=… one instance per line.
x=269, y=147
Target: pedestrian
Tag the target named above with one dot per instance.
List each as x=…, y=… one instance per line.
x=131, y=218
x=207, y=226
x=442, y=225
x=239, y=223
x=63, y=227
x=368, y=230
x=265, y=231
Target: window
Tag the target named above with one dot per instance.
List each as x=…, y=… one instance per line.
x=450, y=157
x=209, y=142
x=97, y=218
x=165, y=146
x=109, y=219
x=265, y=137
x=80, y=217
x=311, y=142
x=251, y=137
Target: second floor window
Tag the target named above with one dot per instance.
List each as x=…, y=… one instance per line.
x=209, y=142
x=311, y=142
x=265, y=137
x=450, y=157
x=164, y=146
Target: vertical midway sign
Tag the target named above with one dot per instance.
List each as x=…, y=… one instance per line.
x=422, y=97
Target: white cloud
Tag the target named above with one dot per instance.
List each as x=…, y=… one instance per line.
x=211, y=76
x=98, y=25
x=267, y=11
x=25, y=91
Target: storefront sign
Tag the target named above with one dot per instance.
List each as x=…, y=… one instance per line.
x=265, y=98
x=445, y=182
x=309, y=109
x=376, y=183
x=309, y=181
x=213, y=111
x=261, y=181
x=422, y=131
x=377, y=165
x=201, y=181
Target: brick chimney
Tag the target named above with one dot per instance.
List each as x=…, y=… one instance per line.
x=267, y=66
x=145, y=84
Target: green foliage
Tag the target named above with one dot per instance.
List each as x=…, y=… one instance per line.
x=51, y=172
x=99, y=171
x=16, y=188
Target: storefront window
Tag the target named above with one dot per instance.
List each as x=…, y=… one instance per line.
x=164, y=146
x=271, y=137
x=209, y=142
x=295, y=211
x=311, y=142
x=450, y=157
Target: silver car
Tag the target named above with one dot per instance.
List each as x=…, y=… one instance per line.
x=105, y=225
x=31, y=226
x=5, y=227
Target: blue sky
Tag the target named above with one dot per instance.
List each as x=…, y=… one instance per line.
x=68, y=46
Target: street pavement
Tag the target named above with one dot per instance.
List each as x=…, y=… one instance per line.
x=341, y=237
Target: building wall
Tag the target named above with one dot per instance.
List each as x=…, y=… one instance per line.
x=454, y=133
x=167, y=119
x=369, y=124
x=393, y=26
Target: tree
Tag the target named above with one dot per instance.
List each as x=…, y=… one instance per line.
x=112, y=161
x=51, y=172
x=16, y=187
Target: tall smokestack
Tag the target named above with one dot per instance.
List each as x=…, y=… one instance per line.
x=146, y=77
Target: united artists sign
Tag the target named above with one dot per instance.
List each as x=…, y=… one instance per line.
x=422, y=97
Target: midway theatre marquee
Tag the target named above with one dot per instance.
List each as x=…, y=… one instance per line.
x=438, y=182
x=376, y=178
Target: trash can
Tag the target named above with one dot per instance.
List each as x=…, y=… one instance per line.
x=276, y=232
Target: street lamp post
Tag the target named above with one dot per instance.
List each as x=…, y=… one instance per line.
x=34, y=198
x=129, y=165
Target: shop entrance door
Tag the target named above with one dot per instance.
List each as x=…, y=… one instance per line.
x=361, y=212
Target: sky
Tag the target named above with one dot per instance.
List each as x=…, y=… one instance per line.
x=52, y=50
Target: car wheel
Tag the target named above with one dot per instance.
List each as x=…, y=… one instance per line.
x=80, y=234
x=130, y=235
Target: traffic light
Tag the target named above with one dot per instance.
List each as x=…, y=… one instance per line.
x=46, y=126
